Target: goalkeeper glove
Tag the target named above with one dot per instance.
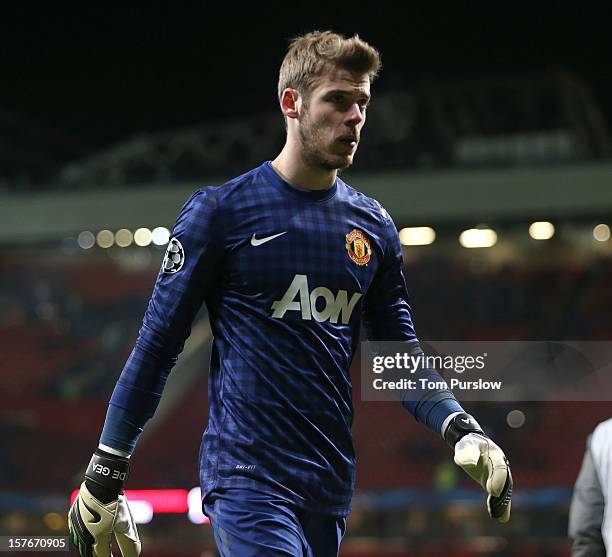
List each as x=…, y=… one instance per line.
x=483, y=461
x=101, y=510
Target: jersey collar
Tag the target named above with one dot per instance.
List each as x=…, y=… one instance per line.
x=313, y=195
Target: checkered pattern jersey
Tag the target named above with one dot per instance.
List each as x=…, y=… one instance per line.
x=286, y=275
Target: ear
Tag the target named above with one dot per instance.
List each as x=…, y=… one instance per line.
x=290, y=102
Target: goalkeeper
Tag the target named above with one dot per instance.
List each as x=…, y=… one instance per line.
x=288, y=259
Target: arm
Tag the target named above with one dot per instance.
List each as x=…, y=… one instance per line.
x=186, y=278
x=177, y=296
x=388, y=318
x=587, y=511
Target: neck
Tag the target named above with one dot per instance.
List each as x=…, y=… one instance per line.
x=292, y=168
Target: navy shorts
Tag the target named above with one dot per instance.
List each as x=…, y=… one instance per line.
x=249, y=523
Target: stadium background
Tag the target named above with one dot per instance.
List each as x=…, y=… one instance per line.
x=481, y=119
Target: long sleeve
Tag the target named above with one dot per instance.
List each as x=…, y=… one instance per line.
x=587, y=511
x=388, y=317
x=187, y=276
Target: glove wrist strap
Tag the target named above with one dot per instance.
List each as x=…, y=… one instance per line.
x=459, y=427
x=108, y=474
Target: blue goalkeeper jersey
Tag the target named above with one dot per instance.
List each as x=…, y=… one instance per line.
x=286, y=275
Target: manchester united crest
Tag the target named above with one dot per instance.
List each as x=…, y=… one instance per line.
x=358, y=247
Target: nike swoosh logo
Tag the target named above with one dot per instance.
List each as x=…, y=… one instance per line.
x=95, y=514
x=257, y=242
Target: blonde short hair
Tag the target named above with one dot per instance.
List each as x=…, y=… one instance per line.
x=308, y=57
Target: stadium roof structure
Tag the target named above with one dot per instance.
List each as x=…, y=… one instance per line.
x=31, y=152
x=437, y=123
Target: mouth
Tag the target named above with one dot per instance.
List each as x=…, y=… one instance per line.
x=349, y=140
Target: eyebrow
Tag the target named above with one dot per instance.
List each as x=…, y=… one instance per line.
x=346, y=92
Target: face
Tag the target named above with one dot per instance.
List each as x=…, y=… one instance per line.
x=331, y=119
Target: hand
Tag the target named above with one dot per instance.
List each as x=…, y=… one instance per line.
x=482, y=460
x=92, y=525
x=486, y=463
x=101, y=510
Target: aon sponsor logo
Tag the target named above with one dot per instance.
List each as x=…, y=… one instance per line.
x=338, y=306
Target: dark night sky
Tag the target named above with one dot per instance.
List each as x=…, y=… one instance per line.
x=103, y=75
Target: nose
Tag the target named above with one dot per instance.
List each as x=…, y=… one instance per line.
x=355, y=116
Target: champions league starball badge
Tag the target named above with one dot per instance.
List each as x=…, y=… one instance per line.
x=175, y=257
